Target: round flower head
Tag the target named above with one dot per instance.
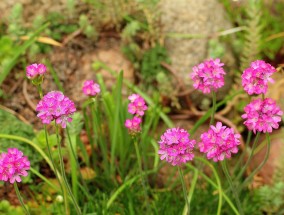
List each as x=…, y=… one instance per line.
x=262, y=115
x=35, y=70
x=55, y=106
x=208, y=75
x=90, y=88
x=219, y=142
x=137, y=105
x=13, y=165
x=176, y=147
x=133, y=97
x=255, y=78
x=133, y=125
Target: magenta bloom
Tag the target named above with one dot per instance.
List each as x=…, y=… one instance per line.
x=13, y=165
x=208, y=75
x=55, y=106
x=90, y=88
x=255, y=78
x=219, y=142
x=176, y=147
x=133, y=125
x=137, y=105
x=262, y=115
x=35, y=70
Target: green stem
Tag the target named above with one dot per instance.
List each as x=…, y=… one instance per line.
x=184, y=190
x=227, y=174
x=227, y=199
x=250, y=156
x=241, y=158
x=76, y=159
x=39, y=90
x=261, y=165
x=88, y=129
x=220, y=191
x=20, y=198
x=141, y=174
x=192, y=188
x=50, y=183
x=55, y=170
x=213, y=108
x=63, y=173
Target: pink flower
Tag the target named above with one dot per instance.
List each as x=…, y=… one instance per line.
x=208, y=75
x=255, y=78
x=133, y=97
x=176, y=147
x=262, y=115
x=13, y=165
x=137, y=105
x=219, y=142
x=90, y=88
x=35, y=70
x=133, y=125
x=55, y=106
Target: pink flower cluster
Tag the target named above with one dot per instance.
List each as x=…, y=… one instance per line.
x=55, y=106
x=255, y=78
x=35, y=70
x=13, y=165
x=133, y=125
x=219, y=142
x=176, y=147
x=262, y=115
x=137, y=106
x=90, y=88
x=208, y=75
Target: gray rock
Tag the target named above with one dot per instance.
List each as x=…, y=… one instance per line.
x=202, y=17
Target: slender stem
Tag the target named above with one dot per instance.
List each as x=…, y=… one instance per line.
x=75, y=158
x=216, y=186
x=39, y=89
x=141, y=173
x=63, y=173
x=88, y=129
x=250, y=156
x=192, y=188
x=220, y=191
x=184, y=190
x=243, y=152
x=45, y=179
x=20, y=198
x=213, y=107
x=63, y=191
x=261, y=165
x=227, y=174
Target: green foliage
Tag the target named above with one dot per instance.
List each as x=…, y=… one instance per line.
x=87, y=28
x=216, y=49
x=253, y=34
x=7, y=49
x=15, y=20
x=151, y=63
x=11, y=125
x=271, y=198
x=9, y=63
x=41, y=141
x=166, y=89
x=7, y=209
x=272, y=18
x=263, y=26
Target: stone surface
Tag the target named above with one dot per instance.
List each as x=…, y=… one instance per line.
x=191, y=17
